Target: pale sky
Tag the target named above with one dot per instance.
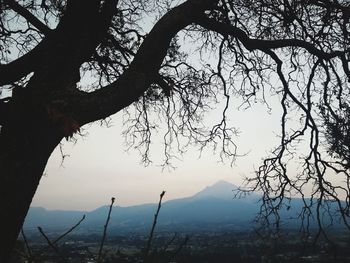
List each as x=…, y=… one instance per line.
x=98, y=166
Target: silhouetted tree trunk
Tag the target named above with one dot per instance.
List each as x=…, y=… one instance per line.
x=38, y=116
x=26, y=142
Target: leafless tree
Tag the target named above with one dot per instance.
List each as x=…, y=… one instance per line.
x=135, y=50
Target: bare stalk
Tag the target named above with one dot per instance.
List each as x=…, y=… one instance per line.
x=64, y=234
x=150, y=238
x=52, y=245
x=29, y=251
x=99, y=257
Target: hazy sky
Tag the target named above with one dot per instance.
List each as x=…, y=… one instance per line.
x=99, y=167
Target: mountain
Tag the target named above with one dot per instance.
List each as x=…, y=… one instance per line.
x=212, y=208
x=221, y=189
x=38, y=216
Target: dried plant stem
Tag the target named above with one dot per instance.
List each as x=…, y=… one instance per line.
x=99, y=256
x=64, y=234
x=51, y=244
x=69, y=230
x=150, y=238
x=29, y=251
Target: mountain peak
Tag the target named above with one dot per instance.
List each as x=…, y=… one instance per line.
x=221, y=189
x=223, y=183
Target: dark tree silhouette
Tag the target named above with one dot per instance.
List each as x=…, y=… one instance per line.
x=297, y=50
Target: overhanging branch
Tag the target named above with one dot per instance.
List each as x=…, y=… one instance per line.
x=28, y=16
x=144, y=68
x=22, y=66
x=260, y=44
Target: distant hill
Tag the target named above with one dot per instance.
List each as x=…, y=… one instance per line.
x=212, y=208
x=38, y=216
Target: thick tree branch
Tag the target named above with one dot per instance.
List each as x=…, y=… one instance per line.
x=260, y=44
x=77, y=20
x=19, y=68
x=144, y=69
x=28, y=16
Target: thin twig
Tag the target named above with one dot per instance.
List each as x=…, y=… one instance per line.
x=29, y=251
x=51, y=244
x=69, y=230
x=64, y=234
x=150, y=238
x=105, y=231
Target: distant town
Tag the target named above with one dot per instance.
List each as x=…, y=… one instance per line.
x=190, y=247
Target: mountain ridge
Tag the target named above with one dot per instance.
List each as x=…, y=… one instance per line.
x=212, y=208
x=214, y=204
x=212, y=188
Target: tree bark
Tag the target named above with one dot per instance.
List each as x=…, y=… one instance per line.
x=26, y=142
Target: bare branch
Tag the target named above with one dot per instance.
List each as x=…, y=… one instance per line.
x=62, y=259
x=144, y=68
x=28, y=16
x=260, y=44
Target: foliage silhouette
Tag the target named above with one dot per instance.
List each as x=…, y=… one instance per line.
x=302, y=45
